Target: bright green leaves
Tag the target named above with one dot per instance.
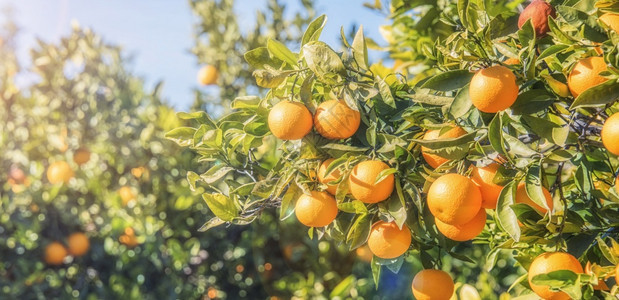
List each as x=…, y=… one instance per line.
x=504, y=212
x=222, y=206
x=599, y=95
x=323, y=61
x=313, y=31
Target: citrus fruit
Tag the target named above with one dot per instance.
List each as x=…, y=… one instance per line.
x=585, y=75
x=454, y=199
x=617, y=187
x=550, y=262
x=58, y=172
x=538, y=12
x=78, y=244
x=483, y=177
x=331, y=177
x=128, y=238
x=290, y=120
x=617, y=273
x=387, y=241
x=601, y=285
x=316, y=210
x=610, y=134
x=208, y=75
x=126, y=194
x=432, y=159
x=466, y=231
x=493, y=89
x=611, y=20
x=55, y=253
x=362, y=182
x=81, y=156
x=335, y=120
x=512, y=61
x=523, y=197
x=432, y=285
x=364, y=254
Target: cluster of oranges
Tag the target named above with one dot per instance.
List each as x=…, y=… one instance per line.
x=55, y=252
x=128, y=238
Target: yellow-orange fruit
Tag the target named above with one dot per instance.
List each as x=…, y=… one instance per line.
x=432, y=159
x=550, y=262
x=387, y=241
x=601, y=285
x=128, y=238
x=611, y=20
x=126, y=194
x=483, y=177
x=58, y=172
x=55, y=253
x=493, y=89
x=362, y=182
x=466, y=231
x=78, y=244
x=538, y=11
x=364, y=254
x=617, y=187
x=316, y=210
x=610, y=134
x=332, y=177
x=585, y=75
x=512, y=61
x=290, y=120
x=81, y=156
x=432, y=285
x=523, y=197
x=617, y=273
x=335, y=120
x=454, y=199
x=17, y=175
x=208, y=75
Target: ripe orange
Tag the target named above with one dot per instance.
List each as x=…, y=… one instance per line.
x=538, y=11
x=585, y=75
x=58, y=172
x=386, y=240
x=549, y=262
x=523, y=197
x=432, y=159
x=126, y=194
x=290, y=120
x=483, y=177
x=364, y=253
x=335, y=120
x=512, y=61
x=78, y=244
x=316, y=210
x=454, y=199
x=55, y=253
x=466, y=231
x=493, y=89
x=432, y=285
x=81, y=156
x=362, y=182
x=333, y=176
x=617, y=273
x=208, y=75
x=129, y=238
x=611, y=20
x=610, y=134
x=601, y=285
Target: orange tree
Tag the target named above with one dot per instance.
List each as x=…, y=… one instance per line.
x=504, y=135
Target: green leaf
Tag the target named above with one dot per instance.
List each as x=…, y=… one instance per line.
x=448, y=81
x=292, y=193
x=426, y=98
x=383, y=174
x=549, y=130
x=223, y=207
x=270, y=78
x=376, y=267
x=385, y=92
x=213, y=222
x=342, y=147
x=461, y=104
x=342, y=289
x=246, y=102
x=495, y=134
x=323, y=61
x=360, y=49
x=353, y=207
x=279, y=50
x=215, y=173
x=359, y=231
x=444, y=143
x=506, y=216
x=551, y=51
x=606, y=251
x=533, y=186
x=183, y=136
x=533, y=101
x=260, y=58
x=314, y=29
x=599, y=95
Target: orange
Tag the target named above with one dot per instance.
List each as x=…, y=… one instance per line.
x=610, y=134
x=333, y=176
x=290, y=120
x=432, y=159
x=316, y=210
x=364, y=254
x=126, y=194
x=454, y=199
x=617, y=273
x=538, y=12
x=129, y=238
x=512, y=61
x=58, y=172
x=362, y=182
x=617, y=187
x=78, y=244
x=334, y=120
x=466, y=231
x=483, y=177
x=493, y=89
x=611, y=20
x=432, y=285
x=601, y=285
x=549, y=262
x=81, y=156
x=585, y=75
x=55, y=253
x=387, y=241
x=208, y=75
x=523, y=197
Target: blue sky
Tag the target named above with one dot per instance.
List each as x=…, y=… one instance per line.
x=157, y=34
